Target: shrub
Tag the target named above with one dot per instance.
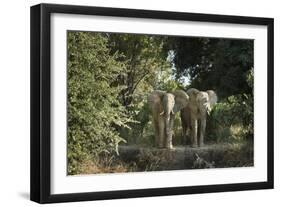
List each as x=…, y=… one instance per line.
x=93, y=107
x=232, y=119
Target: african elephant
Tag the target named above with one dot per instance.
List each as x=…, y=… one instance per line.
x=194, y=115
x=164, y=106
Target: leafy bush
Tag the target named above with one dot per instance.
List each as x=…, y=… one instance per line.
x=232, y=119
x=94, y=111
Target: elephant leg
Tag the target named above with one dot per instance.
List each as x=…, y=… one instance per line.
x=156, y=128
x=188, y=133
x=194, y=129
x=184, y=131
x=202, y=132
x=161, y=131
x=169, y=130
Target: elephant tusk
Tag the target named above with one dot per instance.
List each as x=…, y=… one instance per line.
x=161, y=113
x=172, y=112
x=209, y=110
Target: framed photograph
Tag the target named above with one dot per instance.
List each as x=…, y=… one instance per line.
x=133, y=103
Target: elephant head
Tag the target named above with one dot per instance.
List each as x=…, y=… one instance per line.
x=206, y=101
x=164, y=106
x=194, y=116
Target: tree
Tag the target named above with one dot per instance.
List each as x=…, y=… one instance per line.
x=94, y=109
x=144, y=58
x=219, y=64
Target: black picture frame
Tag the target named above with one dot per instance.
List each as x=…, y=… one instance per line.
x=41, y=96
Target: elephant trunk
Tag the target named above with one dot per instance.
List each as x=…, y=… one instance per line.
x=169, y=122
x=207, y=107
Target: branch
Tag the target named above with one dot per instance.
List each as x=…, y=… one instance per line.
x=137, y=83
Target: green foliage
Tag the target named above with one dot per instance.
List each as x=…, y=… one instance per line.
x=232, y=119
x=145, y=60
x=93, y=107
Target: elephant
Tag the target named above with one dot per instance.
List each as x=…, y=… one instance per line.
x=194, y=115
x=164, y=106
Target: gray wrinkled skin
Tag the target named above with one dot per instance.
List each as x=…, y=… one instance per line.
x=194, y=115
x=164, y=106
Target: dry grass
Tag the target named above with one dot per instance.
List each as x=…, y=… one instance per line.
x=135, y=159
x=104, y=164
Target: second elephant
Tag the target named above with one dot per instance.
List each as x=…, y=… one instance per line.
x=194, y=115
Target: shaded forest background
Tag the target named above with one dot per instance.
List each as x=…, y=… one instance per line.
x=110, y=76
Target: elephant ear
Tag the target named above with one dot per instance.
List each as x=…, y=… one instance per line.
x=181, y=100
x=192, y=93
x=212, y=97
x=155, y=100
